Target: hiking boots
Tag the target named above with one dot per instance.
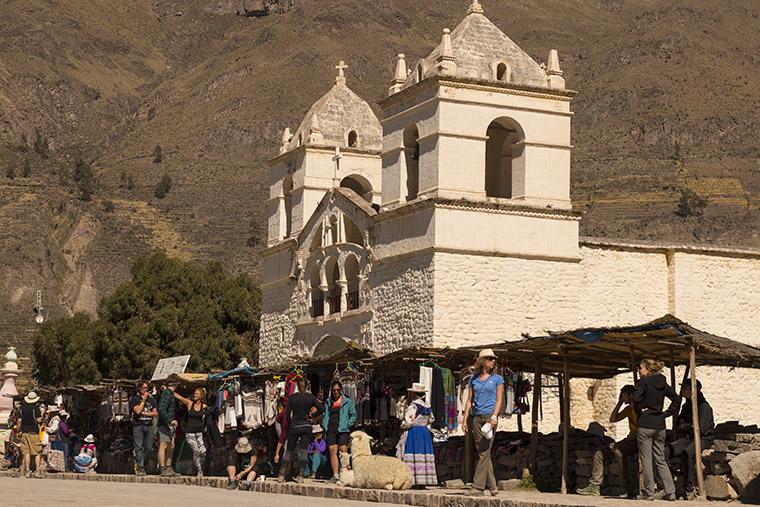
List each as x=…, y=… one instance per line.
x=590, y=490
x=168, y=472
x=140, y=472
x=232, y=484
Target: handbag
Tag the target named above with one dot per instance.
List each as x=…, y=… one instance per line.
x=56, y=461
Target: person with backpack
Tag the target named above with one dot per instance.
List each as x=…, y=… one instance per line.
x=195, y=426
x=167, y=427
x=650, y=393
x=29, y=422
x=143, y=409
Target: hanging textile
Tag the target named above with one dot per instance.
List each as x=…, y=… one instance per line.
x=253, y=409
x=450, y=402
x=426, y=378
x=437, y=399
x=270, y=402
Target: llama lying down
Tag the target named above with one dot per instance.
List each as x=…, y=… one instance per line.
x=374, y=472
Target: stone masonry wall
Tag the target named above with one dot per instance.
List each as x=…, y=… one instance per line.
x=402, y=299
x=278, y=315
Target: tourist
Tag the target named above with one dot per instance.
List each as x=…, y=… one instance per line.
x=167, y=427
x=683, y=446
x=650, y=392
x=31, y=446
x=241, y=472
x=416, y=443
x=143, y=409
x=87, y=460
x=620, y=450
x=339, y=417
x=485, y=396
x=302, y=407
x=316, y=453
x=194, y=426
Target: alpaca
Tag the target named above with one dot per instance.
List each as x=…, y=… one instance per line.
x=374, y=472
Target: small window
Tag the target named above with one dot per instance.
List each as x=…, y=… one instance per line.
x=353, y=139
x=502, y=72
x=420, y=73
x=300, y=139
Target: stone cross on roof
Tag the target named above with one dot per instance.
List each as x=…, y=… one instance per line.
x=341, y=79
x=475, y=7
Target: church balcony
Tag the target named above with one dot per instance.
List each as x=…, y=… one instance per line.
x=352, y=300
x=334, y=303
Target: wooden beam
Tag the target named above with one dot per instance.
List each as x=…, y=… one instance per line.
x=633, y=366
x=695, y=421
x=673, y=384
x=565, y=428
x=533, y=454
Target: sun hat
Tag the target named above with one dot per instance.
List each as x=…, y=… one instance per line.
x=52, y=408
x=89, y=439
x=417, y=388
x=31, y=397
x=486, y=353
x=243, y=446
x=316, y=429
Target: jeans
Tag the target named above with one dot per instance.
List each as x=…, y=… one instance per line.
x=619, y=452
x=484, y=476
x=652, y=454
x=143, y=436
x=299, y=438
x=317, y=461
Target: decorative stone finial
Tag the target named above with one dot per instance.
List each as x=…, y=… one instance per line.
x=286, y=135
x=475, y=8
x=553, y=72
x=315, y=133
x=341, y=79
x=400, y=77
x=10, y=360
x=446, y=60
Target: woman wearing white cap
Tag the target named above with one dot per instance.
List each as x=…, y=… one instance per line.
x=416, y=444
x=486, y=394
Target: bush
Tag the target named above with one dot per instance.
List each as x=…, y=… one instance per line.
x=163, y=187
x=10, y=172
x=109, y=206
x=84, y=179
x=23, y=145
x=26, y=169
x=157, y=156
x=40, y=143
x=168, y=308
x=690, y=204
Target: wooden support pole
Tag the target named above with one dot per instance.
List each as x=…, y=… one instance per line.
x=565, y=426
x=533, y=454
x=695, y=421
x=634, y=366
x=673, y=384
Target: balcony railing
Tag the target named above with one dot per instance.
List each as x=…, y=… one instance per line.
x=317, y=307
x=334, y=303
x=352, y=300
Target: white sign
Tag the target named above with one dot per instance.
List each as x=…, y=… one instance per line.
x=169, y=366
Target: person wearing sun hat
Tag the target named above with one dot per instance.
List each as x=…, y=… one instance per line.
x=316, y=452
x=29, y=425
x=243, y=468
x=415, y=447
x=481, y=414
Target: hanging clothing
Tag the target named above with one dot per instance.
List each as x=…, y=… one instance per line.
x=253, y=409
x=416, y=444
x=426, y=378
x=438, y=400
x=450, y=401
x=270, y=402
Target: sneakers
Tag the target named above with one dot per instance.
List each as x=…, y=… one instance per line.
x=38, y=474
x=644, y=496
x=476, y=492
x=140, y=472
x=245, y=485
x=590, y=490
x=166, y=472
x=28, y=474
x=232, y=484
x=494, y=491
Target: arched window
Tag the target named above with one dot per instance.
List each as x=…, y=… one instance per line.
x=502, y=72
x=334, y=229
x=351, y=269
x=358, y=184
x=420, y=73
x=353, y=234
x=315, y=293
x=332, y=272
x=353, y=139
x=412, y=158
x=504, y=156
x=287, y=192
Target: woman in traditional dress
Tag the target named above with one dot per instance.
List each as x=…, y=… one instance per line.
x=416, y=444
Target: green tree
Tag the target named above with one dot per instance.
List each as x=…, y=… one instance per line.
x=163, y=187
x=169, y=308
x=64, y=350
x=84, y=179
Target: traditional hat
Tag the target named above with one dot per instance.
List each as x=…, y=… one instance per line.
x=486, y=353
x=317, y=428
x=243, y=446
x=52, y=408
x=417, y=388
x=31, y=397
x=89, y=439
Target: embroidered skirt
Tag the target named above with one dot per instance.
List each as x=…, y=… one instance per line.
x=419, y=457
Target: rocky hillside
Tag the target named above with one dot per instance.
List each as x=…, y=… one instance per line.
x=668, y=100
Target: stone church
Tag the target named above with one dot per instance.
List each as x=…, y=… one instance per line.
x=448, y=221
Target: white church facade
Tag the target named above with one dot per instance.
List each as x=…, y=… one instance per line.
x=449, y=222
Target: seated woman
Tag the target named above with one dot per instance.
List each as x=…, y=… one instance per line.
x=87, y=459
x=683, y=445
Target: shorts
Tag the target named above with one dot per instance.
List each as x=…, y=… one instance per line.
x=165, y=434
x=30, y=444
x=335, y=438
